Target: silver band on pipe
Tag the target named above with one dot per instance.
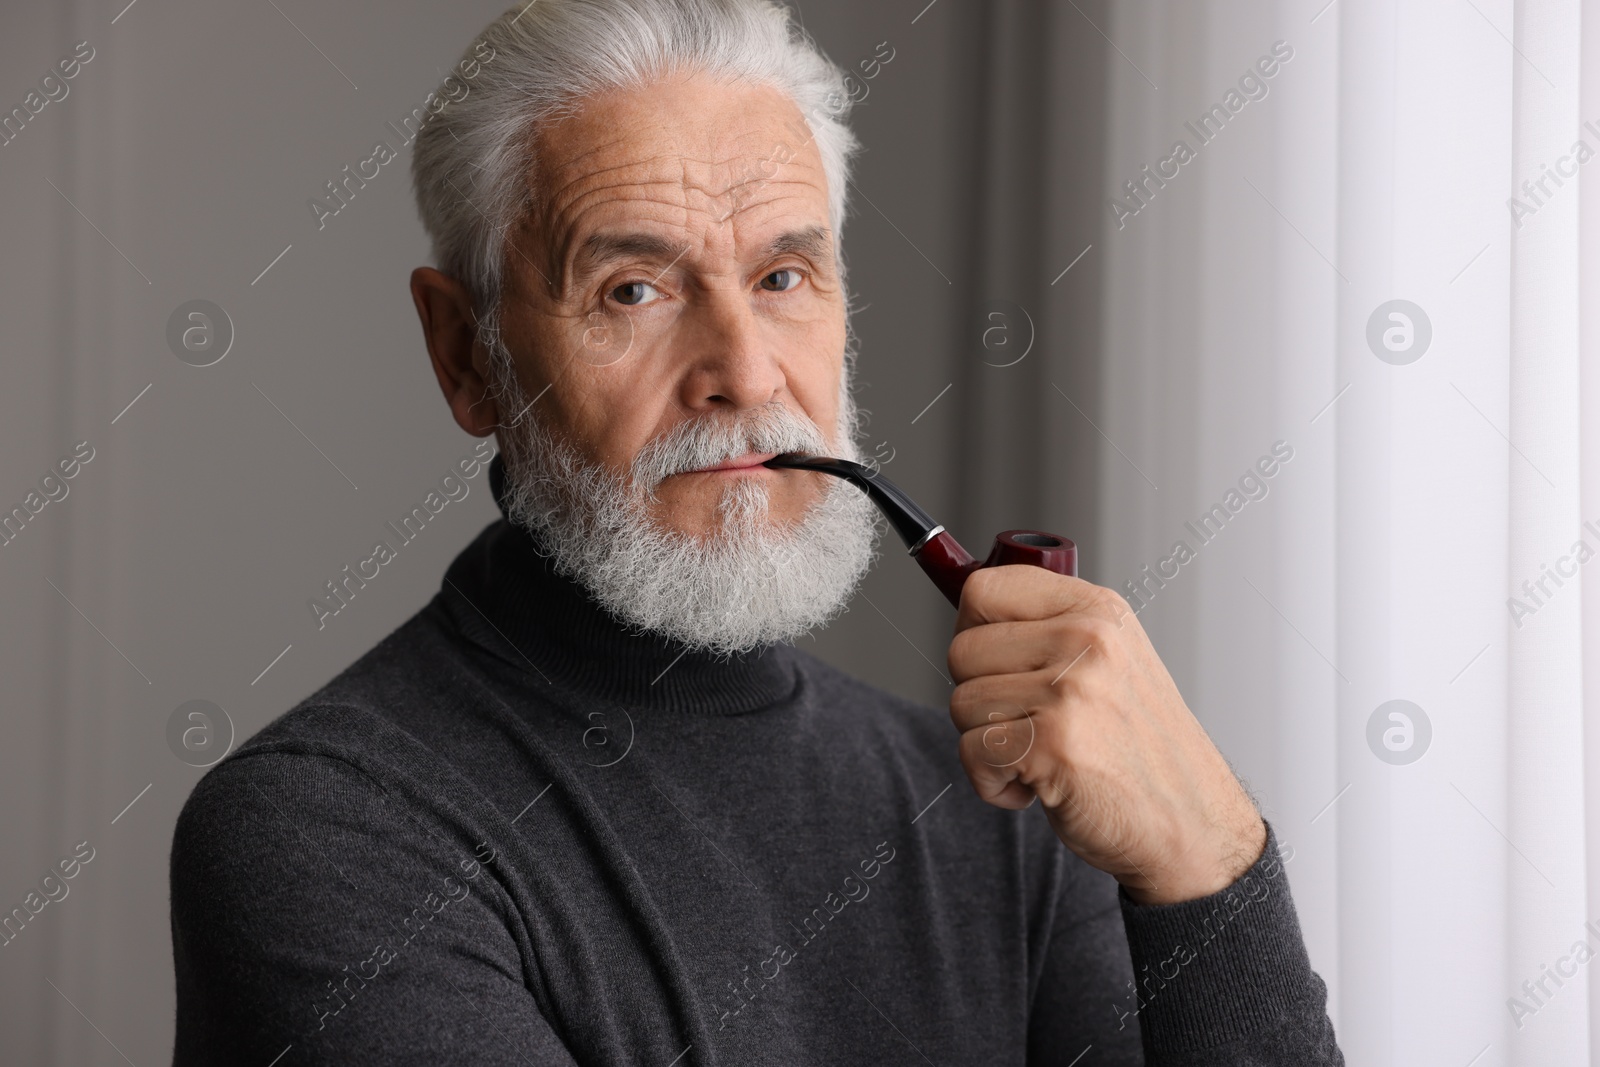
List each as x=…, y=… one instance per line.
x=929, y=536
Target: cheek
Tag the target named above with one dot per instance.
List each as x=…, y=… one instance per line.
x=814, y=365
x=586, y=376
x=608, y=415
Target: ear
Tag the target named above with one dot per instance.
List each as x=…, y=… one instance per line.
x=460, y=361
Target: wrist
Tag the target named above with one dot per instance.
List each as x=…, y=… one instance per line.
x=1203, y=869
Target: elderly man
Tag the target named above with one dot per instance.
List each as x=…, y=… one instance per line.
x=590, y=806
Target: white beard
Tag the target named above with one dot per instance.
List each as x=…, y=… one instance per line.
x=747, y=582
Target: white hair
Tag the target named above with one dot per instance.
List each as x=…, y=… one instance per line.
x=471, y=164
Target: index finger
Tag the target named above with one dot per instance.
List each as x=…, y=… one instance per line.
x=1023, y=593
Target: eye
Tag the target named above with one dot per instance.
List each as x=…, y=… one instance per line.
x=781, y=281
x=632, y=294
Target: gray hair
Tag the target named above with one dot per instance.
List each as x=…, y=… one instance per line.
x=470, y=167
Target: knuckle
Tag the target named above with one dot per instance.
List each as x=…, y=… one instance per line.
x=981, y=584
x=961, y=651
x=970, y=751
x=1099, y=636
x=1080, y=642
x=1066, y=630
x=1054, y=760
x=1005, y=743
x=966, y=700
x=1098, y=632
x=1101, y=599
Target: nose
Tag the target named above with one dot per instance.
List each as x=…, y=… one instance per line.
x=731, y=364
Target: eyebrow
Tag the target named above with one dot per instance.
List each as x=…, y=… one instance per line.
x=600, y=248
x=812, y=241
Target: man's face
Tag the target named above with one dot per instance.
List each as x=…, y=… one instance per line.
x=678, y=265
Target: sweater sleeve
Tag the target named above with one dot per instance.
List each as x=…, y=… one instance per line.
x=1225, y=981
x=316, y=919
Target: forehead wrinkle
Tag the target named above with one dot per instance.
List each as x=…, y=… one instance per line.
x=742, y=144
x=698, y=182
x=569, y=248
x=568, y=201
x=567, y=216
x=666, y=155
x=566, y=248
x=581, y=162
x=555, y=172
x=774, y=204
x=563, y=214
x=749, y=176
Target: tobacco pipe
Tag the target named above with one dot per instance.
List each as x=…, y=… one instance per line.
x=939, y=554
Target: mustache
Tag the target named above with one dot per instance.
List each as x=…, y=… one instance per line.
x=712, y=439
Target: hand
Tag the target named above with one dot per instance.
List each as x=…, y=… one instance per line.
x=1061, y=696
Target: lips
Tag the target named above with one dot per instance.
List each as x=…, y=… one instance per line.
x=748, y=461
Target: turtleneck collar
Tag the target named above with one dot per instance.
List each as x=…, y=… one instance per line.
x=504, y=595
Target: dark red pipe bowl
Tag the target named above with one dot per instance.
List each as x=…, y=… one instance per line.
x=948, y=564
x=1037, y=548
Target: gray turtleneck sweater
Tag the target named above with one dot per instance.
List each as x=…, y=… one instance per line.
x=514, y=833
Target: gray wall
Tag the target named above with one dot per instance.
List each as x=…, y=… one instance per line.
x=179, y=564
